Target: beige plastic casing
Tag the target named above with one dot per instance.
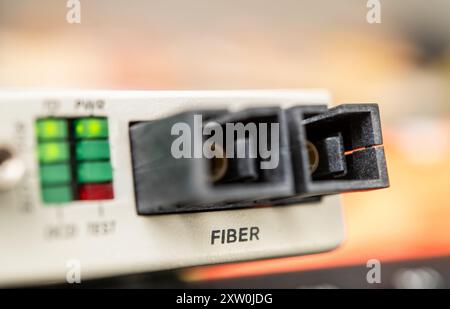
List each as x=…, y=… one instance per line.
x=42, y=244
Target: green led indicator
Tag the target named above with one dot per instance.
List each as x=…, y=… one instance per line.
x=55, y=174
x=53, y=195
x=53, y=152
x=91, y=172
x=92, y=150
x=49, y=129
x=91, y=128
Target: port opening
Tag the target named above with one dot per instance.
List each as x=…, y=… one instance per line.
x=244, y=165
x=186, y=181
x=344, y=146
x=219, y=164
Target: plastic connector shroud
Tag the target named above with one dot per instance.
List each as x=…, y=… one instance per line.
x=347, y=140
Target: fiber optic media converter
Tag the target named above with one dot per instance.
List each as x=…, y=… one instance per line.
x=120, y=182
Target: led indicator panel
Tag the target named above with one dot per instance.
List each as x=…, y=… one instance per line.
x=74, y=159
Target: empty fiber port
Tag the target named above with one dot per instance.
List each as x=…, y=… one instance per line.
x=348, y=144
x=166, y=182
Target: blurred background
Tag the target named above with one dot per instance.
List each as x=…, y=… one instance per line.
x=402, y=63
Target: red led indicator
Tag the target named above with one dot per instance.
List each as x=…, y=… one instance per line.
x=94, y=192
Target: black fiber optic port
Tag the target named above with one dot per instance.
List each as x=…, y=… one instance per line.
x=336, y=150
x=263, y=156
x=189, y=180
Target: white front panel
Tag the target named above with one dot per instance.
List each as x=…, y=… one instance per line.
x=108, y=237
